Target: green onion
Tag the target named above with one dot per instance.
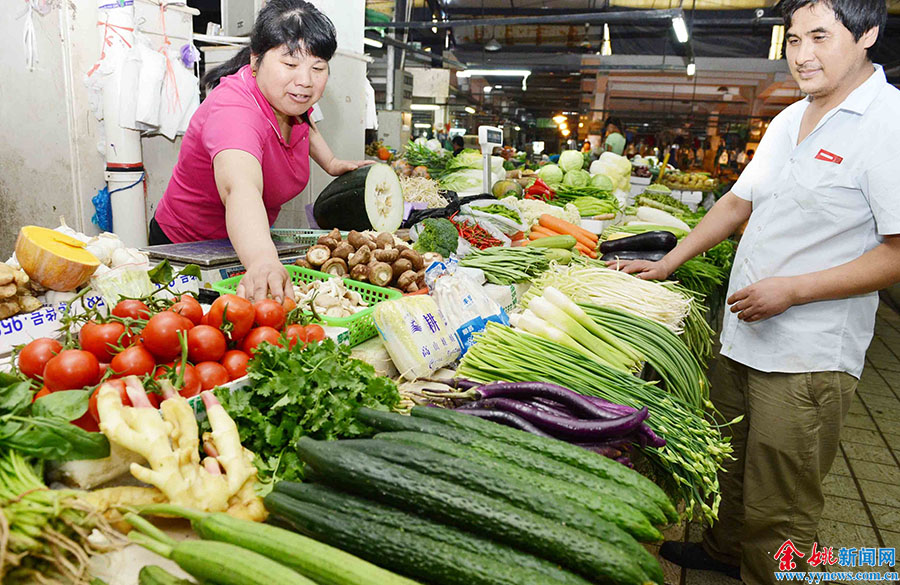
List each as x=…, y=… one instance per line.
x=686, y=467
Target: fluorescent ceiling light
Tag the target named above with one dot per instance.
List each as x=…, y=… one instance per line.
x=681, y=32
x=425, y=107
x=498, y=87
x=372, y=43
x=691, y=69
x=470, y=109
x=487, y=89
x=775, y=49
x=423, y=126
x=517, y=128
x=523, y=73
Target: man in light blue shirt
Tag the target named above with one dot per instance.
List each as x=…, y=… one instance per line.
x=823, y=236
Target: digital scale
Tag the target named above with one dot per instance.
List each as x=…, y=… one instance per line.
x=489, y=137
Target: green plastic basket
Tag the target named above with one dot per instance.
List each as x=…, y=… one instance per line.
x=360, y=326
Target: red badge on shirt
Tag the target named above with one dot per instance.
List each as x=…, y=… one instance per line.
x=829, y=156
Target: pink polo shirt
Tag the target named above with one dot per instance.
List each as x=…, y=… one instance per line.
x=235, y=115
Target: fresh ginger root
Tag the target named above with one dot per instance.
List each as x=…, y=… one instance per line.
x=171, y=445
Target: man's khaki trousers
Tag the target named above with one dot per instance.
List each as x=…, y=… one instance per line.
x=783, y=449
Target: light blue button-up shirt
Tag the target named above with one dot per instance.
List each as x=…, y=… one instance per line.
x=817, y=205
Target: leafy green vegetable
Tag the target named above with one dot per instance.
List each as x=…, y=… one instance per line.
x=310, y=391
x=550, y=174
x=437, y=235
x=570, y=160
x=43, y=429
x=420, y=155
x=577, y=178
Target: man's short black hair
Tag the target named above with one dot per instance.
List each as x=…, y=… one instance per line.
x=858, y=16
x=458, y=141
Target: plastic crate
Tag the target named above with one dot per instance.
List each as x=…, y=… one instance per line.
x=361, y=326
x=303, y=237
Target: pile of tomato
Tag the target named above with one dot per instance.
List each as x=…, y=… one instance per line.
x=131, y=341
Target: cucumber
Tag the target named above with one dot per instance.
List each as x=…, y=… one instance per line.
x=227, y=564
x=395, y=519
x=560, y=255
x=415, y=555
x=522, y=494
x=443, y=501
x=516, y=455
x=154, y=575
x=559, y=450
x=324, y=564
x=566, y=242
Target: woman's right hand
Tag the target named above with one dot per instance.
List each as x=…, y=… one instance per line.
x=643, y=269
x=263, y=278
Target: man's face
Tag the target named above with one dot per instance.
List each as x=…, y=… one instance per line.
x=821, y=51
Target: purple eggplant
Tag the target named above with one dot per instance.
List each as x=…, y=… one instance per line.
x=550, y=407
x=580, y=405
x=650, y=438
x=504, y=418
x=586, y=429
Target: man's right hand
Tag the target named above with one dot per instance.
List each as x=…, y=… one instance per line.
x=643, y=269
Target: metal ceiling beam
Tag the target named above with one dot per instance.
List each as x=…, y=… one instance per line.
x=414, y=49
x=629, y=16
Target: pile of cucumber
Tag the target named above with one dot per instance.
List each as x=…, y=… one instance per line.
x=446, y=498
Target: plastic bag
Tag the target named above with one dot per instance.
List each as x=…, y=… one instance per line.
x=416, y=335
x=504, y=224
x=463, y=301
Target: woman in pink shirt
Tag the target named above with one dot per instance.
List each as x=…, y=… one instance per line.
x=246, y=151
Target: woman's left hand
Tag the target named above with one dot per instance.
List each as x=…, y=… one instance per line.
x=339, y=167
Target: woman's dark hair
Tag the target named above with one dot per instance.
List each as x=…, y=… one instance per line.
x=858, y=16
x=296, y=24
x=612, y=122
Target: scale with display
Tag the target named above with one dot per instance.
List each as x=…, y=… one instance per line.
x=489, y=137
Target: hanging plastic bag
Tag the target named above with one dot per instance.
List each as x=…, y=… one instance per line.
x=505, y=224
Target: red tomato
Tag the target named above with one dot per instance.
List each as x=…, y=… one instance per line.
x=132, y=309
x=154, y=398
x=235, y=361
x=260, y=335
x=35, y=356
x=87, y=423
x=204, y=320
x=191, y=385
x=134, y=360
x=101, y=338
x=72, y=369
x=40, y=393
x=123, y=395
x=211, y=374
x=160, y=336
x=314, y=332
x=206, y=344
x=289, y=304
x=235, y=310
x=190, y=309
x=269, y=313
x=295, y=333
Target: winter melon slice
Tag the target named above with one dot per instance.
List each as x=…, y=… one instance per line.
x=53, y=259
x=368, y=198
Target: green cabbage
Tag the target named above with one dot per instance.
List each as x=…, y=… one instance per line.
x=601, y=181
x=577, y=178
x=550, y=174
x=571, y=160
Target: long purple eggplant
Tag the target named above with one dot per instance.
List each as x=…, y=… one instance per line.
x=651, y=438
x=578, y=404
x=587, y=430
x=505, y=418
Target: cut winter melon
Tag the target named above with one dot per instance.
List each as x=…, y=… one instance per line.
x=54, y=260
x=368, y=198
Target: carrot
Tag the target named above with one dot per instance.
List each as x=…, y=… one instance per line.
x=562, y=226
x=585, y=250
x=586, y=242
x=518, y=243
x=542, y=232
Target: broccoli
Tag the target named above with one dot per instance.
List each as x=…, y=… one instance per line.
x=437, y=235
